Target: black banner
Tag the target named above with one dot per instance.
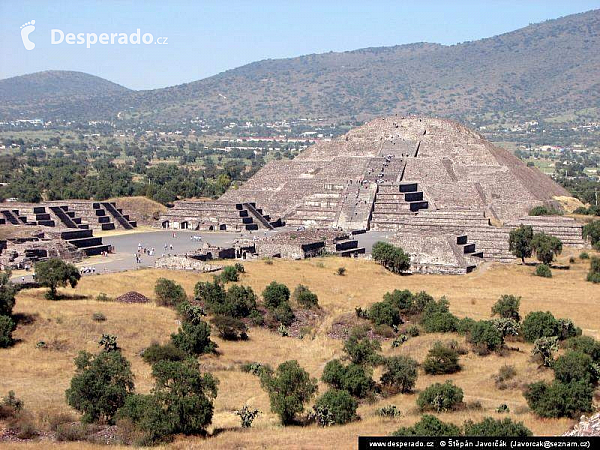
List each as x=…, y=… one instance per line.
x=375, y=442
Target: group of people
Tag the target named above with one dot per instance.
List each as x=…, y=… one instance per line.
x=144, y=251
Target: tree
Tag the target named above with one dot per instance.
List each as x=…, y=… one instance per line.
x=362, y=350
x=210, y=293
x=591, y=231
x=539, y=324
x=575, y=366
x=169, y=352
x=485, y=336
x=543, y=270
x=507, y=307
x=441, y=360
x=384, y=313
x=335, y=407
x=496, y=427
x=181, y=401
x=230, y=328
x=429, y=426
x=194, y=338
x=275, y=294
x=354, y=378
x=400, y=373
x=440, y=397
x=100, y=385
x=169, y=293
x=584, y=344
x=594, y=273
x=520, y=240
x=55, y=273
x=392, y=258
x=289, y=388
x=7, y=293
x=229, y=274
x=437, y=317
x=546, y=247
x=403, y=300
x=560, y=399
x=7, y=326
x=240, y=301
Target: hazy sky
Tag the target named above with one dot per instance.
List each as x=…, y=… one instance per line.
x=208, y=37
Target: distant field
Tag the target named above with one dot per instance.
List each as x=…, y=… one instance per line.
x=40, y=377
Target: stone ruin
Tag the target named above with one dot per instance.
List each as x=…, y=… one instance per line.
x=446, y=193
x=185, y=263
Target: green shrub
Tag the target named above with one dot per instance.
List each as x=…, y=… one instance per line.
x=275, y=294
x=305, y=298
x=102, y=297
x=420, y=301
x=194, y=338
x=584, y=255
x=289, y=388
x=240, y=301
x=507, y=307
x=168, y=293
x=485, y=337
x=190, y=313
x=400, y=374
x=355, y=379
x=239, y=267
x=402, y=300
x=437, y=317
x=247, y=415
x=544, y=211
x=412, y=331
x=362, y=350
x=584, y=344
x=519, y=242
x=567, y=329
x=465, y=325
x=383, y=313
x=429, y=426
x=591, y=231
x=284, y=314
x=168, y=352
x=560, y=399
x=335, y=407
x=181, y=402
x=441, y=360
x=539, y=324
x=388, y=411
x=593, y=277
x=229, y=274
x=341, y=271
x=496, y=427
x=54, y=273
x=100, y=385
x=230, y=328
x=7, y=326
x=594, y=273
x=210, y=293
x=7, y=293
x=440, y=397
x=10, y=406
x=544, y=348
x=575, y=366
x=392, y=258
x=546, y=247
x=543, y=270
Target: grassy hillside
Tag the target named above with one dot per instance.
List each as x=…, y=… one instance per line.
x=543, y=70
x=40, y=376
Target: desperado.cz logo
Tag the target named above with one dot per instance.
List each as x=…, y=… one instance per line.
x=58, y=36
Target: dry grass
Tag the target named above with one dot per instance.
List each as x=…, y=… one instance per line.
x=40, y=376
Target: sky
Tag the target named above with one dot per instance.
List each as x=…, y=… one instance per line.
x=206, y=37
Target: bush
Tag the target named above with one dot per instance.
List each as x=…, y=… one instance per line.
x=275, y=294
x=465, y=325
x=560, y=399
x=54, y=273
x=441, y=360
x=507, y=307
x=167, y=352
x=383, y=313
x=496, y=427
x=335, y=407
x=567, y=329
x=240, y=301
x=591, y=231
x=543, y=270
x=412, y=331
x=305, y=298
x=229, y=274
x=546, y=247
x=190, y=313
x=341, y=271
x=102, y=297
x=420, y=301
x=289, y=388
x=98, y=317
x=7, y=326
x=506, y=373
x=574, y=366
x=230, y=328
x=594, y=273
x=239, y=267
x=194, y=338
x=539, y=324
x=355, y=379
x=210, y=293
x=7, y=294
x=392, y=258
x=72, y=432
x=429, y=426
x=362, y=350
x=168, y=293
x=284, y=314
x=100, y=385
x=544, y=211
x=545, y=347
x=400, y=373
x=402, y=300
x=10, y=406
x=181, y=401
x=584, y=255
x=440, y=397
x=388, y=411
x=485, y=337
x=584, y=344
x=437, y=317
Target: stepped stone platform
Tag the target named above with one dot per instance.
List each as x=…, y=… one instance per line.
x=432, y=182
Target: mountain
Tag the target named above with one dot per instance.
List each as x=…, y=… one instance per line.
x=55, y=93
x=542, y=70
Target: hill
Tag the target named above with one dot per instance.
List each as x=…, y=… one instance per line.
x=542, y=70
